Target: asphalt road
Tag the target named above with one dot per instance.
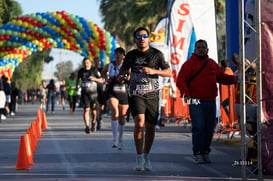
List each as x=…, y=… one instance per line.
x=66, y=152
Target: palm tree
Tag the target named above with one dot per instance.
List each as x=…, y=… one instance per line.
x=122, y=17
x=9, y=10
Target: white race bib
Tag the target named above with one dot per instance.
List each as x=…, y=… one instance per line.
x=144, y=88
x=119, y=88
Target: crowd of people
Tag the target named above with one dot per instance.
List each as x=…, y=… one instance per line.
x=8, y=98
x=131, y=83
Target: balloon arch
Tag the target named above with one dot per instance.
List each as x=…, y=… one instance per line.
x=36, y=32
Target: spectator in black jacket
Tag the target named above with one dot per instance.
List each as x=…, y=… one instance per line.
x=13, y=97
x=2, y=98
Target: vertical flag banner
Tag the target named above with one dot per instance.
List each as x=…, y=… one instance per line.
x=267, y=50
x=158, y=37
x=250, y=32
x=190, y=20
x=267, y=58
x=267, y=86
x=232, y=29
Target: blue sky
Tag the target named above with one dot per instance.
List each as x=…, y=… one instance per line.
x=88, y=9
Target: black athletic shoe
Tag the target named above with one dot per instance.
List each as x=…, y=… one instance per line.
x=93, y=128
x=87, y=131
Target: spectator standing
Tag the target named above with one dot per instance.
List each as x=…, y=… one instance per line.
x=13, y=98
x=227, y=99
x=146, y=64
x=196, y=81
x=51, y=95
x=63, y=94
x=162, y=81
x=7, y=89
x=43, y=92
x=2, y=98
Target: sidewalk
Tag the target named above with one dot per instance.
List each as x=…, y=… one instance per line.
x=65, y=152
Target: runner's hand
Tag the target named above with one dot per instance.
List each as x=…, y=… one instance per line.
x=148, y=70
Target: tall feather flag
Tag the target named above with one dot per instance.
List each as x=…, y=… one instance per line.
x=188, y=21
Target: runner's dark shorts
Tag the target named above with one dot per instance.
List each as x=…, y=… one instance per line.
x=122, y=97
x=101, y=97
x=89, y=100
x=101, y=94
x=63, y=95
x=149, y=107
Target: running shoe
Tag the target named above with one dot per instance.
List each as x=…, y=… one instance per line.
x=98, y=124
x=87, y=131
x=120, y=145
x=139, y=163
x=147, y=163
x=93, y=128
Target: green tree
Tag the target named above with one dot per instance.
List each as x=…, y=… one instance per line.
x=220, y=27
x=9, y=10
x=28, y=73
x=122, y=17
x=64, y=70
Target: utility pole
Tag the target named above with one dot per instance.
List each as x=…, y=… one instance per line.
x=61, y=66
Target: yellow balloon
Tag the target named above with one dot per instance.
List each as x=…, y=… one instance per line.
x=64, y=41
x=25, y=24
x=96, y=35
x=58, y=16
x=67, y=46
x=19, y=22
x=62, y=21
x=53, y=13
x=36, y=42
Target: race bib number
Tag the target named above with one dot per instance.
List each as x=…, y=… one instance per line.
x=144, y=88
x=90, y=87
x=88, y=84
x=119, y=89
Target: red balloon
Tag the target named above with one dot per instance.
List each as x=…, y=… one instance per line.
x=28, y=19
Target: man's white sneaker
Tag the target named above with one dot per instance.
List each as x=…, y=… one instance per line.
x=3, y=117
x=147, y=163
x=139, y=163
x=157, y=127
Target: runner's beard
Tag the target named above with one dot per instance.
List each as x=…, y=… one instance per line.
x=141, y=45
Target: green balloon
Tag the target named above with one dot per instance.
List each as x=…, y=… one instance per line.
x=2, y=32
x=44, y=21
x=38, y=17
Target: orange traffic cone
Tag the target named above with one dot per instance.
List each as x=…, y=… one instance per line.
x=39, y=115
x=22, y=160
x=38, y=128
x=28, y=149
x=44, y=122
x=33, y=136
x=31, y=139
